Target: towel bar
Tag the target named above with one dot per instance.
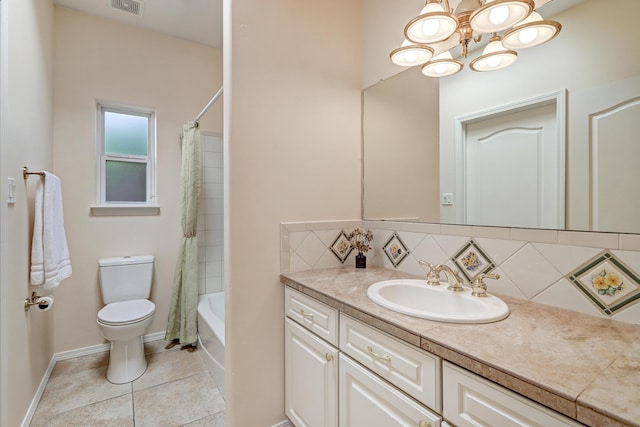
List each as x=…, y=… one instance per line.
x=26, y=173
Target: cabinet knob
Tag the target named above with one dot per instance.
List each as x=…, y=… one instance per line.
x=424, y=423
x=329, y=357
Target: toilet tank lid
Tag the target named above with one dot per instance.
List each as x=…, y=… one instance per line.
x=125, y=260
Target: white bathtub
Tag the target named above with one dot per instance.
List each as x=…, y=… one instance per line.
x=211, y=334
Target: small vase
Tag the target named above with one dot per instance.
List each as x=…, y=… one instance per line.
x=361, y=260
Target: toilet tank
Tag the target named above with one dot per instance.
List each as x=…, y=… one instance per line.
x=125, y=278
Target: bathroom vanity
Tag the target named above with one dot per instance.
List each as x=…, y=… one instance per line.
x=540, y=366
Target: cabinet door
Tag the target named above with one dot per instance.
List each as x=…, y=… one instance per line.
x=367, y=400
x=472, y=401
x=311, y=378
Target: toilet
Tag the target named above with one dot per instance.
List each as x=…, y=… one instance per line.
x=125, y=283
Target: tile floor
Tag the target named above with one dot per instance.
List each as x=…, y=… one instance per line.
x=176, y=390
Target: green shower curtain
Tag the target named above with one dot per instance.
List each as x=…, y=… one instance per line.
x=183, y=319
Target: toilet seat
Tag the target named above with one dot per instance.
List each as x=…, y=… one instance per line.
x=126, y=312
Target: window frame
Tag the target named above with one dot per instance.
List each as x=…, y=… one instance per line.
x=104, y=207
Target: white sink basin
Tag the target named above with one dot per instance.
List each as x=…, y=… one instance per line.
x=416, y=298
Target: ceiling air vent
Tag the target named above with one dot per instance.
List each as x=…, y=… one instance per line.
x=131, y=6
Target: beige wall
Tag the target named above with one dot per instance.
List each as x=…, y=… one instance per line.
x=26, y=122
x=97, y=59
x=294, y=150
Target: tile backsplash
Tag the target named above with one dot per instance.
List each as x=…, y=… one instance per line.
x=593, y=273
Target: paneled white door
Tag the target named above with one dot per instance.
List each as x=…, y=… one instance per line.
x=513, y=170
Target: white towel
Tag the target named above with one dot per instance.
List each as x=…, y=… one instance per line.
x=50, y=261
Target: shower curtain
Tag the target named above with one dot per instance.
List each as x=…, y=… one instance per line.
x=182, y=324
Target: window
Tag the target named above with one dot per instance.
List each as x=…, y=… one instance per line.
x=126, y=161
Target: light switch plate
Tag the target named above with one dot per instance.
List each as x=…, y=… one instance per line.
x=11, y=199
x=447, y=199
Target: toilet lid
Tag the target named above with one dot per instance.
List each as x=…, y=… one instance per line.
x=125, y=312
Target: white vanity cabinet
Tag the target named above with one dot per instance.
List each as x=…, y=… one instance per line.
x=316, y=373
x=311, y=361
x=472, y=401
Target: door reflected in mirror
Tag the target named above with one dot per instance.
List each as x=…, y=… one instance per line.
x=412, y=174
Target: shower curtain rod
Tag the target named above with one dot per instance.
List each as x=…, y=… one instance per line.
x=213, y=100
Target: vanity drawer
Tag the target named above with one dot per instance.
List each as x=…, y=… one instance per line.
x=472, y=401
x=412, y=370
x=317, y=317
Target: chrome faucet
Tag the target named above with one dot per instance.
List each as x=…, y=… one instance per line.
x=433, y=277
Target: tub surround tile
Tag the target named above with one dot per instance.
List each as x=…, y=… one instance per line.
x=550, y=355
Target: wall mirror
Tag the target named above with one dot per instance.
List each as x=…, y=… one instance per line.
x=416, y=160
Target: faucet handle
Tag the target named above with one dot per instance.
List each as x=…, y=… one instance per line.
x=479, y=288
x=433, y=276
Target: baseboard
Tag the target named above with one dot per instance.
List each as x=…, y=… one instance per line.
x=285, y=423
x=70, y=354
x=36, y=398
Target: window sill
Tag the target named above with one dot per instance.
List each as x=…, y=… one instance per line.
x=124, y=210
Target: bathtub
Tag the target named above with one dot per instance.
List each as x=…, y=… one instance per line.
x=211, y=334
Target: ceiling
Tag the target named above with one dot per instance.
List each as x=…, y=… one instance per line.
x=199, y=21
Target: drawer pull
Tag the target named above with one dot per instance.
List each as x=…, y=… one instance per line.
x=305, y=314
x=424, y=424
x=384, y=357
x=329, y=357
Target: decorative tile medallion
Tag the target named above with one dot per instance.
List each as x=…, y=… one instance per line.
x=471, y=260
x=607, y=282
x=341, y=247
x=395, y=249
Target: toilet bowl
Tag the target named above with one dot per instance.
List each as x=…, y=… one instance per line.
x=126, y=285
x=124, y=324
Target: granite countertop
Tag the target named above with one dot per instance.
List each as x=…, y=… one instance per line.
x=584, y=367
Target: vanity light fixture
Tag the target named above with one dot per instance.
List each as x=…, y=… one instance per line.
x=494, y=56
x=438, y=28
x=442, y=65
x=410, y=54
